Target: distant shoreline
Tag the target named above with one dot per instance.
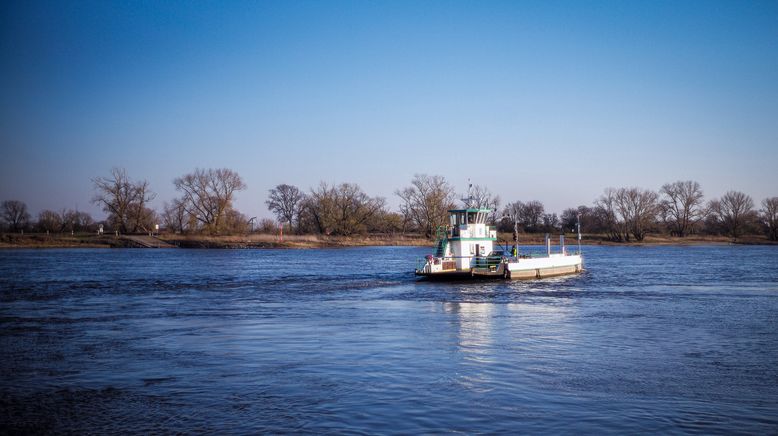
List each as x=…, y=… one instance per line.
x=253, y=241
x=263, y=241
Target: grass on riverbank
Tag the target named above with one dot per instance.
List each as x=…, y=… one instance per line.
x=59, y=240
x=291, y=241
x=90, y=240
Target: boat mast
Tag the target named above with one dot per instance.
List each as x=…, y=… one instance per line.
x=469, y=201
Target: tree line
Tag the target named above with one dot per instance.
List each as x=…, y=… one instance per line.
x=678, y=209
x=623, y=214
x=205, y=205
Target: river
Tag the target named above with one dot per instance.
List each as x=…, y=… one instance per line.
x=648, y=339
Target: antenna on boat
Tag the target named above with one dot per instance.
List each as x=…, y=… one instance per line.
x=578, y=226
x=469, y=200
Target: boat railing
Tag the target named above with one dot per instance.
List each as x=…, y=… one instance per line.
x=487, y=261
x=531, y=251
x=478, y=261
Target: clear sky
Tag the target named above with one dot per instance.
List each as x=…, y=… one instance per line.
x=538, y=100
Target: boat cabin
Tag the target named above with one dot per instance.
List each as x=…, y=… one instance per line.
x=467, y=237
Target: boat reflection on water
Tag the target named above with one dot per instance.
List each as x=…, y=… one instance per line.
x=475, y=322
x=483, y=329
x=474, y=344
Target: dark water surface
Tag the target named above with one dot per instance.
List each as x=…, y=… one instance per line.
x=660, y=339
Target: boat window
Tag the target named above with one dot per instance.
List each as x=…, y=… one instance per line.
x=471, y=218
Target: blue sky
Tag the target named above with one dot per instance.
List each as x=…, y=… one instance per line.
x=537, y=100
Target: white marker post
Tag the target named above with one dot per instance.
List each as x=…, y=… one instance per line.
x=578, y=225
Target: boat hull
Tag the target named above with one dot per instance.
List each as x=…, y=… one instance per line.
x=537, y=268
x=446, y=275
x=517, y=269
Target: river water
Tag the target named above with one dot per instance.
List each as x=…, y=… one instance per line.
x=659, y=339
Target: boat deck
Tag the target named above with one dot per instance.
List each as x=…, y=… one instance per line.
x=522, y=268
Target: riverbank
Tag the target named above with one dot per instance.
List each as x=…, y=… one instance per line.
x=37, y=240
x=291, y=241
x=674, y=240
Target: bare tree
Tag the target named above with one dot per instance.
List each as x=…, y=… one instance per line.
x=550, y=222
x=355, y=208
x=512, y=215
x=317, y=210
x=208, y=195
x=267, y=226
x=386, y=222
x=235, y=222
x=285, y=201
x=769, y=215
x=142, y=216
x=175, y=217
x=343, y=209
x=14, y=214
x=479, y=197
x=532, y=215
x=733, y=212
x=75, y=221
x=682, y=206
x=638, y=209
x=570, y=217
x=427, y=201
x=607, y=216
x=49, y=221
x=711, y=224
x=513, y=211
x=123, y=200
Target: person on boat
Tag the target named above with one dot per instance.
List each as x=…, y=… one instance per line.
x=514, y=251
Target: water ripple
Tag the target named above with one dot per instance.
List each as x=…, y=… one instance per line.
x=648, y=339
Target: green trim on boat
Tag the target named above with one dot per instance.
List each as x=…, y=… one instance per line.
x=457, y=238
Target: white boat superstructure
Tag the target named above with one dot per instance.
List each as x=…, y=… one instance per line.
x=466, y=248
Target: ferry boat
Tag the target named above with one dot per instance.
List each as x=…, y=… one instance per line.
x=466, y=249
